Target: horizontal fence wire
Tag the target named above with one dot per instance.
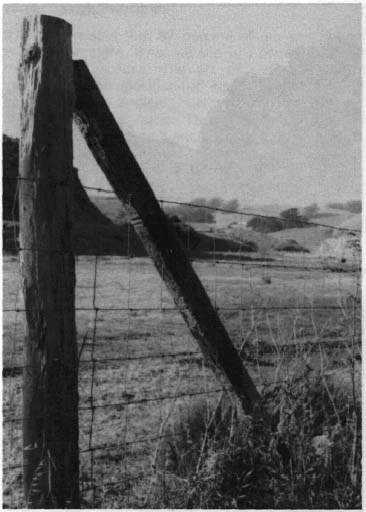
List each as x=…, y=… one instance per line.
x=16, y=370
x=140, y=376
x=13, y=370
x=175, y=310
x=210, y=208
x=233, y=262
x=262, y=216
x=130, y=402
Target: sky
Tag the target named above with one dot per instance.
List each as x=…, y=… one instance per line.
x=171, y=75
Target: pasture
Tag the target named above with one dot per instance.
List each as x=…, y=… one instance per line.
x=141, y=374
x=134, y=415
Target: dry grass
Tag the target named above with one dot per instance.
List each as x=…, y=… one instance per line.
x=277, y=345
x=304, y=455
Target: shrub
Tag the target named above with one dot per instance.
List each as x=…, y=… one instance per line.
x=289, y=218
x=292, y=219
x=305, y=454
x=231, y=204
x=201, y=211
x=289, y=246
x=311, y=211
x=215, y=202
x=265, y=224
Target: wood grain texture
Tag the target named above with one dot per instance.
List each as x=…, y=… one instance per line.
x=110, y=149
x=50, y=399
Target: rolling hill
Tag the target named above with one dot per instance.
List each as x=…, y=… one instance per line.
x=98, y=227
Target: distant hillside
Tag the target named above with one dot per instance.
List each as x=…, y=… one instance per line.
x=110, y=206
x=96, y=231
x=309, y=237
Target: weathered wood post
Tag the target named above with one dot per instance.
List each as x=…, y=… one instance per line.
x=50, y=397
x=113, y=155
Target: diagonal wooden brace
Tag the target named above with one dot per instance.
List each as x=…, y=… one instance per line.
x=110, y=149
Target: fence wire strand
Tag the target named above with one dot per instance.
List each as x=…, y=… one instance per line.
x=209, y=208
x=141, y=376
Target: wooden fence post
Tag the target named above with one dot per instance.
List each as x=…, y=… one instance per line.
x=50, y=397
x=112, y=153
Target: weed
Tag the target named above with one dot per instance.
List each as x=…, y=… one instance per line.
x=301, y=456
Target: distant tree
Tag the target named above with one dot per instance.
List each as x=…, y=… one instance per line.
x=200, y=201
x=335, y=206
x=290, y=214
x=201, y=211
x=265, y=224
x=289, y=246
x=350, y=206
x=311, y=211
x=215, y=202
x=354, y=206
x=293, y=219
x=231, y=204
x=194, y=214
x=199, y=215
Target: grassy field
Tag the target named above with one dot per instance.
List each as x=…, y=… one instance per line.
x=148, y=379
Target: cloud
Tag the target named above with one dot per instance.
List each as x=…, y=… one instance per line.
x=294, y=133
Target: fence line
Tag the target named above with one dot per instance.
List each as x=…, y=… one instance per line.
x=95, y=448
x=251, y=308
x=215, y=209
x=14, y=369
x=128, y=390
x=218, y=308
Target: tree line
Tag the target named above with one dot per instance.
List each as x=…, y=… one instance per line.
x=201, y=211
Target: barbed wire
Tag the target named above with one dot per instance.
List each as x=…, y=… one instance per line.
x=177, y=310
x=128, y=402
x=217, y=209
x=145, y=400
x=256, y=351
x=14, y=370
x=259, y=215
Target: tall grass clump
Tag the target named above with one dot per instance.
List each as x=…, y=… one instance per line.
x=304, y=453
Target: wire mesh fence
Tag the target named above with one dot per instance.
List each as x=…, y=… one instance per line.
x=142, y=378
